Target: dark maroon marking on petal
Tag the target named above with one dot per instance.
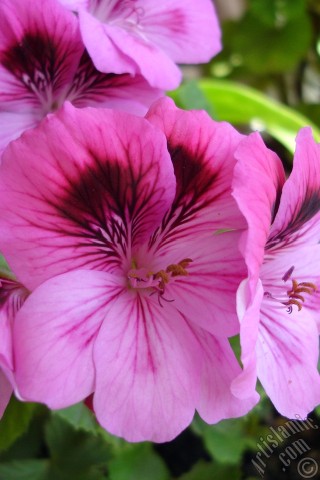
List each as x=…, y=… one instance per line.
x=309, y=208
x=104, y=206
x=195, y=178
x=38, y=61
x=89, y=83
x=276, y=204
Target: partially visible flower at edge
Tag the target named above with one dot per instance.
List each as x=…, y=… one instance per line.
x=148, y=37
x=43, y=63
x=12, y=296
x=133, y=266
x=279, y=303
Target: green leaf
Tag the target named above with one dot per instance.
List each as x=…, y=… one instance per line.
x=239, y=105
x=226, y=441
x=30, y=443
x=15, y=421
x=79, y=417
x=76, y=453
x=212, y=471
x=277, y=12
x=236, y=346
x=24, y=470
x=264, y=48
x=140, y=462
x=194, y=98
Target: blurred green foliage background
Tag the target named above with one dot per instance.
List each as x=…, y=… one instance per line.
x=267, y=78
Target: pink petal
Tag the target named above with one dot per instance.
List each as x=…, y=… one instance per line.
x=114, y=49
x=207, y=295
x=276, y=322
x=298, y=217
x=13, y=124
x=303, y=263
x=40, y=47
x=122, y=92
x=187, y=30
x=204, y=222
x=146, y=361
x=72, y=200
x=75, y=4
x=220, y=369
x=147, y=37
x=244, y=385
x=54, y=334
x=202, y=153
x=258, y=179
x=287, y=353
x=5, y=392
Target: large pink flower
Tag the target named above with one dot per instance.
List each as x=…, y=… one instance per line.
x=148, y=36
x=279, y=303
x=12, y=296
x=131, y=253
x=43, y=63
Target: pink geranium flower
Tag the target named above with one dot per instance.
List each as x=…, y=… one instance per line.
x=148, y=37
x=12, y=296
x=43, y=63
x=131, y=253
x=279, y=303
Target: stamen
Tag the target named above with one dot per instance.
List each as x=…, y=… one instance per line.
x=164, y=278
x=141, y=278
x=177, y=269
x=310, y=285
x=295, y=297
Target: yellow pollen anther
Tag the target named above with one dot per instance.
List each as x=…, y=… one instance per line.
x=295, y=297
x=172, y=270
x=309, y=285
x=185, y=262
x=164, y=278
x=177, y=269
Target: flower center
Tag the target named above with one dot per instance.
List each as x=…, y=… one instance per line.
x=296, y=295
x=156, y=282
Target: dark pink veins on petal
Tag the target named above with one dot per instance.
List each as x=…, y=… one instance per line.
x=195, y=192
x=305, y=211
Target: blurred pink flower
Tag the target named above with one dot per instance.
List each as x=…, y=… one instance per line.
x=148, y=37
x=131, y=253
x=279, y=303
x=12, y=296
x=43, y=63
